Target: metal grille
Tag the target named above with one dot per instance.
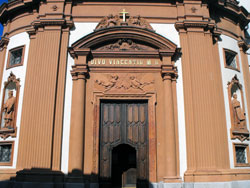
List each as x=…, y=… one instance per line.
x=240, y=154
x=5, y=153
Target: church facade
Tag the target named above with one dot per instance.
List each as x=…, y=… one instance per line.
x=115, y=94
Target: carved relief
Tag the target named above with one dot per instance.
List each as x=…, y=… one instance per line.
x=125, y=45
x=125, y=83
x=237, y=110
x=111, y=21
x=9, y=107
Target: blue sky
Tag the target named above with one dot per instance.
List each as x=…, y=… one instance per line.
x=1, y=27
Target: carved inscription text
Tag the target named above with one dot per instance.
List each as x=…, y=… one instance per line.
x=124, y=62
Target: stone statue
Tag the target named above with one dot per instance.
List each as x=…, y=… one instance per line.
x=239, y=116
x=9, y=109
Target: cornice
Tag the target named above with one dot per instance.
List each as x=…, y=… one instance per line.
x=12, y=7
x=52, y=22
x=206, y=25
x=231, y=7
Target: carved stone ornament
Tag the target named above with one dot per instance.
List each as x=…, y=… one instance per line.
x=9, y=107
x=113, y=21
x=130, y=82
x=125, y=45
x=237, y=111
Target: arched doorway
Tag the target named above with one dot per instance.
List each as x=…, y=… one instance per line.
x=123, y=172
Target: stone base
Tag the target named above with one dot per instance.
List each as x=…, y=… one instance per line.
x=234, y=184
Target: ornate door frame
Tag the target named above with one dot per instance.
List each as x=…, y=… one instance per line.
x=151, y=98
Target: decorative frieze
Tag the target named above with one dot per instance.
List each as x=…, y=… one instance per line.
x=123, y=83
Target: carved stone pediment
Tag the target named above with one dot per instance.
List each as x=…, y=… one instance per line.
x=124, y=45
x=116, y=20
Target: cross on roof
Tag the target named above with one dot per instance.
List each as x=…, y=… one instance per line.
x=124, y=15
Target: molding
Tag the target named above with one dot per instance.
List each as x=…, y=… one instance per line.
x=187, y=24
x=79, y=72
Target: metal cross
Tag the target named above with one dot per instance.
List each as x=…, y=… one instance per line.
x=123, y=15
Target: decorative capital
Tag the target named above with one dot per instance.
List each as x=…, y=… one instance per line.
x=79, y=72
x=243, y=45
x=169, y=72
x=186, y=24
x=4, y=43
x=78, y=52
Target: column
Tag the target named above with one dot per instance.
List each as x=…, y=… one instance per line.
x=168, y=74
x=77, y=127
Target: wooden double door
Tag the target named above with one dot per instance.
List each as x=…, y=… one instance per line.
x=123, y=144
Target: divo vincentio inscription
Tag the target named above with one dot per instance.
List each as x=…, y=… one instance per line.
x=124, y=62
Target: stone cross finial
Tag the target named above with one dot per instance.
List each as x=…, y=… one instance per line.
x=124, y=15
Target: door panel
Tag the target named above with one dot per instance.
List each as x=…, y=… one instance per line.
x=123, y=123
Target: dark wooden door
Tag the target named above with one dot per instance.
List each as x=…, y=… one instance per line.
x=123, y=123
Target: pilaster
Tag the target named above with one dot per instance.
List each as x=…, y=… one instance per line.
x=169, y=74
x=206, y=133
x=77, y=128
x=42, y=113
x=3, y=49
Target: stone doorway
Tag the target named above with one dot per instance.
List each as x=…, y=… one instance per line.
x=123, y=144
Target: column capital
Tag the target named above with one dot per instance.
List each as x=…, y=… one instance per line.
x=79, y=72
x=169, y=72
x=4, y=43
x=195, y=26
x=243, y=45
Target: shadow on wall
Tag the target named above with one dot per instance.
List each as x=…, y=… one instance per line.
x=46, y=178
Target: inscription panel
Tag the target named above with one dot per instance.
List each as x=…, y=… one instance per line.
x=124, y=62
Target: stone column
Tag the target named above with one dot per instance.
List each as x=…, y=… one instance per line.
x=77, y=127
x=168, y=74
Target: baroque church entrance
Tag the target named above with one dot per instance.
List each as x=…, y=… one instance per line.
x=123, y=144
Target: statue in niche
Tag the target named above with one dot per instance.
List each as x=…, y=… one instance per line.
x=239, y=115
x=9, y=109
